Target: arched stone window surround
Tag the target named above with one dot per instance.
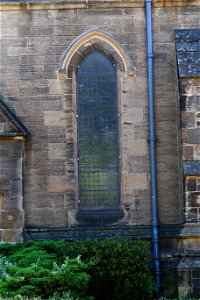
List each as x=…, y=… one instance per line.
x=88, y=42
x=69, y=63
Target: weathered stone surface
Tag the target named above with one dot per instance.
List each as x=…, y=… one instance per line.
x=191, y=183
x=187, y=119
x=60, y=184
x=46, y=218
x=197, y=152
x=43, y=199
x=188, y=153
x=187, y=34
x=187, y=46
x=33, y=44
x=193, y=199
x=57, y=151
x=191, y=58
x=134, y=115
x=135, y=147
x=58, y=87
x=191, y=168
x=11, y=236
x=137, y=164
x=52, y=118
x=135, y=181
x=46, y=120
x=190, y=102
x=11, y=219
x=191, y=136
x=188, y=52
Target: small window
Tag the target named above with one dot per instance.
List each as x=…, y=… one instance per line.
x=98, y=140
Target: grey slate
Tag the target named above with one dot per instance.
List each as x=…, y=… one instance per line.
x=188, y=52
x=191, y=168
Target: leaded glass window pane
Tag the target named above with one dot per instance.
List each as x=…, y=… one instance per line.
x=97, y=133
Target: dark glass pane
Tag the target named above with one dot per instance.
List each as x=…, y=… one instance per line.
x=97, y=133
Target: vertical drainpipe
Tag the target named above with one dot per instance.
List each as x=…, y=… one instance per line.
x=152, y=147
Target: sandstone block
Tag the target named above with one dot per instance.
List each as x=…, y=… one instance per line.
x=197, y=152
x=40, y=31
x=137, y=164
x=187, y=152
x=47, y=218
x=42, y=200
x=60, y=86
x=191, y=135
x=136, y=181
x=132, y=115
x=54, y=118
x=60, y=184
x=11, y=236
x=187, y=119
x=57, y=150
x=70, y=201
x=12, y=219
x=141, y=131
x=136, y=147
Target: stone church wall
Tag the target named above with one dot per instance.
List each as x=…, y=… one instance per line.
x=34, y=39
x=33, y=42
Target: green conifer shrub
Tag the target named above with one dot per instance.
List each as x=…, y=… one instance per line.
x=107, y=269
x=41, y=276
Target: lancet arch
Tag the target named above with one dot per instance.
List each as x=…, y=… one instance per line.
x=88, y=42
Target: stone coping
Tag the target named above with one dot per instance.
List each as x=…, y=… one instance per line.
x=89, y=4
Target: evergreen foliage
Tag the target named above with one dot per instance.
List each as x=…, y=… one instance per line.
x=105, y=269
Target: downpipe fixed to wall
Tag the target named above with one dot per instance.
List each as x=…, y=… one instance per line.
x=152, y=147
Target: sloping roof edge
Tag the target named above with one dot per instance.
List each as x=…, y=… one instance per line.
x=14, y=122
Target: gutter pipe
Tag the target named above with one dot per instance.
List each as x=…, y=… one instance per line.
x=152, y=147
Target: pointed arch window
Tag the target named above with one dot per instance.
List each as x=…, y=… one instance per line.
x=98, y=137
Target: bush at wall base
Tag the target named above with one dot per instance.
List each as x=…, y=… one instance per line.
x=90, y=269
